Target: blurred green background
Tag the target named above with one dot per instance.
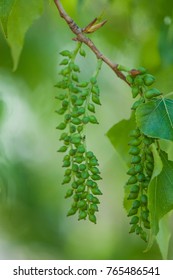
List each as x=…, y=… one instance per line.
x=33, y=223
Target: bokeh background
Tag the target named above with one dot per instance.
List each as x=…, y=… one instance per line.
x=33, y=222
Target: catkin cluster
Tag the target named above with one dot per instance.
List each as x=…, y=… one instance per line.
x=142, y=162
x=140, y=174
x=78, y=100
x=140, y=84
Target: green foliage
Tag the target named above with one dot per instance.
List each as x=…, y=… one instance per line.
x=163, y=236
x=16, y=18
x=155, y=118
x=5, y=10
x=76, y=106
x=161, y=191
x=122, y=129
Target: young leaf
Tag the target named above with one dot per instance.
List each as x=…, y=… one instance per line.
x=21, y=18
x=164, y=236
x=5, y=10
x=155, y=118
x=160, y=192
x=119, y=135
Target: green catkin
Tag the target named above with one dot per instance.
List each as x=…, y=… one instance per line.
x=142, y=163
x=78, y=100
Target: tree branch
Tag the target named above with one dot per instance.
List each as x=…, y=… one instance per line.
x=82, y=38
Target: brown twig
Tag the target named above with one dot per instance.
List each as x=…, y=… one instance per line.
x=82, y=38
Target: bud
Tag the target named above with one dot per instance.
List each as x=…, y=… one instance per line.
x=91, y=108
x=72, y=211
x=82, y=52
x=92, y=218
x=66, y=53
x=64, y=62
x=151, y=93
x=96, y=99
x=134, y=150
x=136, y=204
x=82, y=215
x=69, y=193
x=63, y=149
x=149, y=79
x=132, y=180
x=134, y=220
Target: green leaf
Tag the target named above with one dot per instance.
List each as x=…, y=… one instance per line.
x=160, y=192
x=119, y=135
x=164, y=236
x=20, y=19
x=155, y=118
x=167, y=146
x=5, y=10
x=158, y=164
